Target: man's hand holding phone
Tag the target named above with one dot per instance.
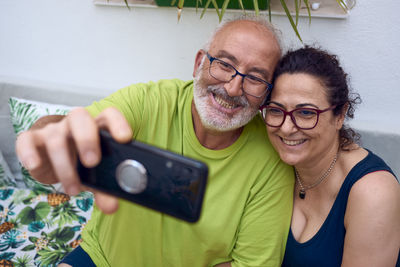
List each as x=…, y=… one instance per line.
x=50, y=151
x=149, y=176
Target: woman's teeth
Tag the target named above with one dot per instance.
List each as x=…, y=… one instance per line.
x=223, y=103
x=293, y=142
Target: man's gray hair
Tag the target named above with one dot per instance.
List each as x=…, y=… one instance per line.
x=260, y=20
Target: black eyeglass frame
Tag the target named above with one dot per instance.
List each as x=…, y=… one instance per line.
x=269, y=85
x=290, y=113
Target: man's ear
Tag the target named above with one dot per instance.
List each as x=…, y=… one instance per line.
x=340, y=118
x=199, y=57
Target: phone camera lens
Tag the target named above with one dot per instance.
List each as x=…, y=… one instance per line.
x=132, y=176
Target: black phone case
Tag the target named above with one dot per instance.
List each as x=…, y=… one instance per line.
x=149, y=176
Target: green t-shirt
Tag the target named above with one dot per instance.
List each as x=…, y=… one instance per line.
x=247, y=205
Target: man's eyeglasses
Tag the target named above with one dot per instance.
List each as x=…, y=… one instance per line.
x=303, y=118
x=225, y=72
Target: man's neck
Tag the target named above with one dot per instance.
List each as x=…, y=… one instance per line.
x=213, y=139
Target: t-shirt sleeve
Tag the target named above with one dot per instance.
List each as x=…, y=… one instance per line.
x=265, y=223
x=126, y=100
x=144, y=105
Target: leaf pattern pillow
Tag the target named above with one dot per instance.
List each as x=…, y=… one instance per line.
x=6, y=177
x=23, y=114
x=39, y=229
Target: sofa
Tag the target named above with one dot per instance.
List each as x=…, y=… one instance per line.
x=39, y=224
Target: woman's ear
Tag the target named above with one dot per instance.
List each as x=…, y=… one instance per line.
x=340, y=118
x=197, y=62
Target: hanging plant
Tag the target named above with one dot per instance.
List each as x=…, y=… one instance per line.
x=221, y=6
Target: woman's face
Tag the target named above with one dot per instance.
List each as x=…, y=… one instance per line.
x=303, y=148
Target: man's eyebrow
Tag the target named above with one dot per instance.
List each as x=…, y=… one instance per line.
x=262, y=71
x=227, y=55
x=224, y=54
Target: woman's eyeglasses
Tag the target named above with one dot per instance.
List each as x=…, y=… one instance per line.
x=303, y=118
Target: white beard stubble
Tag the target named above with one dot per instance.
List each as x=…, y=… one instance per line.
x=211, y=117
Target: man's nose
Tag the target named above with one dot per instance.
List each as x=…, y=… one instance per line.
x=235, y=86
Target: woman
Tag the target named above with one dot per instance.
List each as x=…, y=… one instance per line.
x=347, y=200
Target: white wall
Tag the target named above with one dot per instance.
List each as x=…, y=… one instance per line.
x=74, y=42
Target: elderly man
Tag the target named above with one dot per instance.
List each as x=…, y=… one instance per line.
x=248, y=201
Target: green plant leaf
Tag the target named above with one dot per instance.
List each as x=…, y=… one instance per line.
x=256, y=9
x=33, y=239
x=62, y=235
x=269, y=10
x=28, y=215
x=126, y=3
x=242, y=6
x=181, y=3
x=42, y=210
x=297, y=4
x=7, y=255
x=307, y=3
x=48, y=257
x=224, y=6
x=215, y=4
x=6, y=193
x=205, y=8
x=343, y=5
x=23, y=261
x=290, y=19
x=84, y=204
x=36, y=226
x=29, y=247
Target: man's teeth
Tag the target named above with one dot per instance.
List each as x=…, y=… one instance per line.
x=223, y=103
x=293, y=142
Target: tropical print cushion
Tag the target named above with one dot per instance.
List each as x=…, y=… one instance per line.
x=23, y=114
x=39, y=229
x=6, y=177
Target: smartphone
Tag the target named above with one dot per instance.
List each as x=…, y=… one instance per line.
x=144, y=174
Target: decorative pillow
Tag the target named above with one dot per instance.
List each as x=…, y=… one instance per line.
x=6, y=177
x=40, y=229
x=23, y=114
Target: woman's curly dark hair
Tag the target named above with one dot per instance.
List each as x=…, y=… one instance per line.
x=325, y=67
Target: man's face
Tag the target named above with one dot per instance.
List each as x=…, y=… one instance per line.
x=251, y=50
x=225, y=113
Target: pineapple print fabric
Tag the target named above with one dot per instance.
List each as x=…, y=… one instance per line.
x=23, y=114
x=38, y=229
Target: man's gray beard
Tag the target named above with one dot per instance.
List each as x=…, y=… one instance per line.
x=210, y=117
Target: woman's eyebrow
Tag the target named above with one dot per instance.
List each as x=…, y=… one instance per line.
x=302, y=105
x=276, y=103
x=305, y=105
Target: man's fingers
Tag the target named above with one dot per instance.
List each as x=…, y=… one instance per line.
x=26, y=149
x=59, y=153
x=106, y=203
x=85, y=134
x=113, y=120
x=33, y=156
